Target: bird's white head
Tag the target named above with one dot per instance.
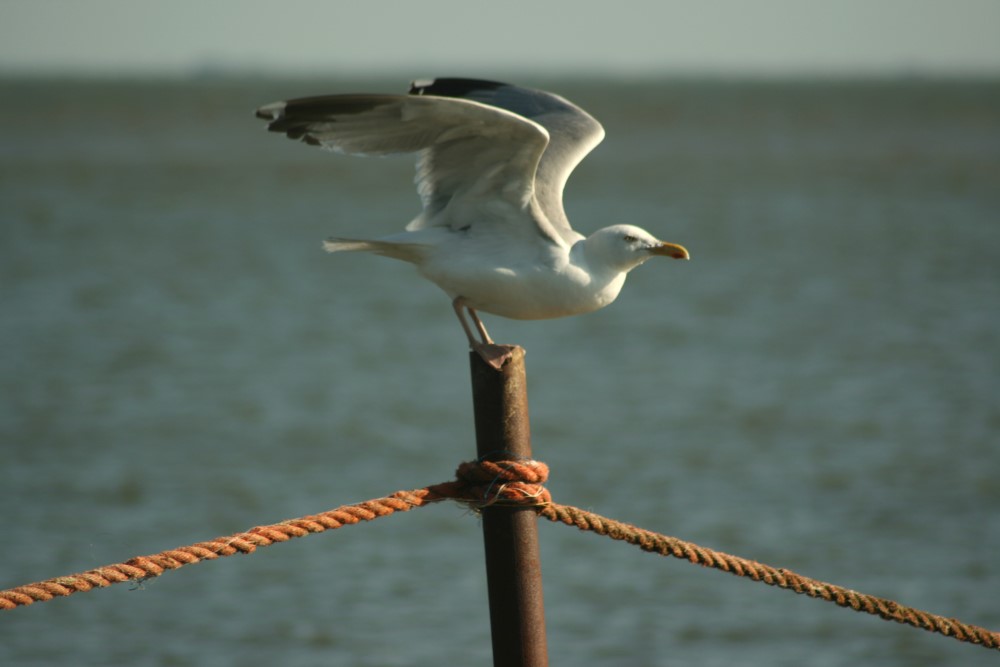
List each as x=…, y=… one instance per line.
x=624, y=247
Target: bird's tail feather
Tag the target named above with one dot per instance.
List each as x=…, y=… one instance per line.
x=408, y=252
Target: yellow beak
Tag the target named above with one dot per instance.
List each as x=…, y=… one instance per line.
x=670, y=250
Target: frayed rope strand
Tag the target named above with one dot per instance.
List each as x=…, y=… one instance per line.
x=780, y=577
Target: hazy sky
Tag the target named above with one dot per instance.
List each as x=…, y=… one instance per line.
x=471, y=37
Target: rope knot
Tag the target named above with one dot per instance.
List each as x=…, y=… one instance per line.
x=505, y=482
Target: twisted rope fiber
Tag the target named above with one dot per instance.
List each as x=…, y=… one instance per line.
x=481, y=484
x=780, y=577
x=478, y=484
x=141, y=568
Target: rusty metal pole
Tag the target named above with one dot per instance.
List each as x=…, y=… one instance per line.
x=510, y=534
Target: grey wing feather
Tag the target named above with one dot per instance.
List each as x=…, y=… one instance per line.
x=470, y=153
x=573, y=132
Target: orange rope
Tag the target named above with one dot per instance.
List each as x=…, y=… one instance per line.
x=479, y=484
x=482, y=484
x=780, y=577
x=144, y=567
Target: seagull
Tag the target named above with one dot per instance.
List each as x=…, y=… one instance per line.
x=492, y=161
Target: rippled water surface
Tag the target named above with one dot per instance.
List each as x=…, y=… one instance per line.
x=817, y=389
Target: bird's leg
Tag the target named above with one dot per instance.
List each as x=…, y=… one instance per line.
x=479, y=325
x=493, y=354
x=458, y=304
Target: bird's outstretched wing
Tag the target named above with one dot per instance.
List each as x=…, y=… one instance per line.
x=573, y=132
x=471, y=154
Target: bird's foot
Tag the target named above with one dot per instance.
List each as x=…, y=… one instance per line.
x=493, y=354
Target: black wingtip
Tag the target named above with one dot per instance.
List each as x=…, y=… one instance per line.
x=452, y=87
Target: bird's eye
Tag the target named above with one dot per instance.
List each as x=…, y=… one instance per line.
x=628, y=238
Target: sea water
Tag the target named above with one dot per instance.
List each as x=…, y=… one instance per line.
x=816, y=389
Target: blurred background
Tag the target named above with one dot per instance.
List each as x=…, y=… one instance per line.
x=816, y=389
